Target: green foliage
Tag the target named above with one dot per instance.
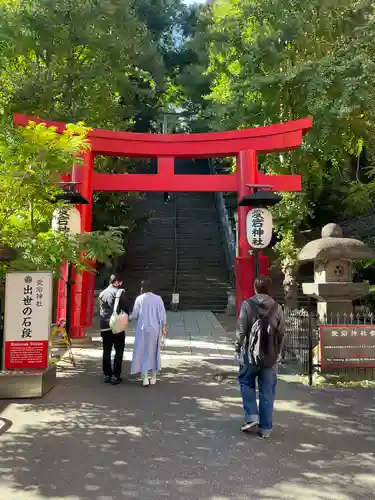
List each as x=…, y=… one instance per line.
x=104, y=63
x=278, y=60
x=339, y=381
x=47, y=250
x=31, y=162
x=123, y=208
x=76, y=60
x=192, y=82
x=162, y=18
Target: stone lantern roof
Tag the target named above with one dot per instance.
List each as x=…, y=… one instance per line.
x=333, y=246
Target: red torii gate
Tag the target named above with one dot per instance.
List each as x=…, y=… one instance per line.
x=243, y=144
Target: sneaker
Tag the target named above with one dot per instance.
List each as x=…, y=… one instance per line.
x=107, y=379
x=146, y=382
x=249, y=425
x=116, y=380
x=153, y=380
x=265, y=434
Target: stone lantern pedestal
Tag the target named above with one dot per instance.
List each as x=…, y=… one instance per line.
x=334, y=302
x=333, y=287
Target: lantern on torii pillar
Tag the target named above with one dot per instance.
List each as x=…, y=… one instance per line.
x=258, y=220
x=67, y=219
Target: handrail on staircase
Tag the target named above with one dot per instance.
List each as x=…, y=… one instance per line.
x=226, y=230
x=165, y=131
x=175, y=246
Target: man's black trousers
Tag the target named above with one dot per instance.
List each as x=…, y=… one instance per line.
x=116, y=340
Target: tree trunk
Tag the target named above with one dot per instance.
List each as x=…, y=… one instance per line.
x=290, y=285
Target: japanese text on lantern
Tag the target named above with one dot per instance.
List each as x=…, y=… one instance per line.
x=63, y=220
x=258, y=223
x=259, y=227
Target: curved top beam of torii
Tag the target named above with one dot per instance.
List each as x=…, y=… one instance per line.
x=279, y=137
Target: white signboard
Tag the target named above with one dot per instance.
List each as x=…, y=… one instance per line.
x=28, y=316
x=175, y=298
x=259, y=227
x=66, y=219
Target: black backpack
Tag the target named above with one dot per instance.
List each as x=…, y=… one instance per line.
x=264, y=341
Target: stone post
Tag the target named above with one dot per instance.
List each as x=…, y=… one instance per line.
x=231, y=304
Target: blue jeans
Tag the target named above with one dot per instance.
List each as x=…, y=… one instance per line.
x=267, y=380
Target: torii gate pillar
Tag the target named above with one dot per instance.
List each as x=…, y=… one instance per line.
x=242, y=144
x=247, y=168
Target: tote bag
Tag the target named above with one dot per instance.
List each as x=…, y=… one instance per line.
x=118, y=322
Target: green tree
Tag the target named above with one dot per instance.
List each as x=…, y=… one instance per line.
x=100, y=62
x=31, y=162
x=76, y=60
x=274, y=61
x=190, y=82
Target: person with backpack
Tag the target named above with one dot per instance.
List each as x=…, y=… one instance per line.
x=260, y=336
x=114, y=312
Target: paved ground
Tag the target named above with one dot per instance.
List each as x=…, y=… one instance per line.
x=180, y=438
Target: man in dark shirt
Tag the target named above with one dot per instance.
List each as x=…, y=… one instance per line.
x=260, y=305
x=117, y=340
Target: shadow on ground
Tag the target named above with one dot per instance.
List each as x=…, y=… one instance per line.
x=180, y=440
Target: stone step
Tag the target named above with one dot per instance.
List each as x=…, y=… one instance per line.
x=201, y=274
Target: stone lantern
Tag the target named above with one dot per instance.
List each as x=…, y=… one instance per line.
x=333, y=257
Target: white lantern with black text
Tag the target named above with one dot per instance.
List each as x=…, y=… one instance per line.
x=66, y=219
x=259, y=227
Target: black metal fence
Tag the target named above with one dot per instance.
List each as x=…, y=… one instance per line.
x=302, y=333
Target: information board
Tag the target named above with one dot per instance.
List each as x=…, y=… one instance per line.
x=28, y=309
x=347, y=346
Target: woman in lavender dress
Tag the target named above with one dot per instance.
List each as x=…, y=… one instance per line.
x=150, y=312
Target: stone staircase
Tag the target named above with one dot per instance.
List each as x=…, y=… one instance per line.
x=151, y=251
x=179, y=248
x=202, y=278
